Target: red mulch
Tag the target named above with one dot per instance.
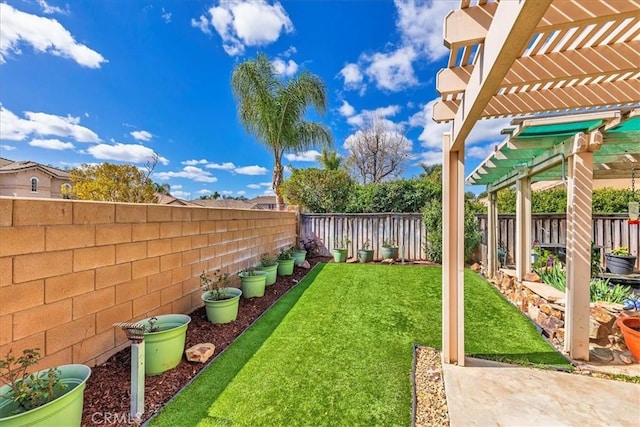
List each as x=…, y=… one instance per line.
x=107, y=396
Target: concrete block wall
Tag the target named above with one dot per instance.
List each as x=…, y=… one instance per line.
x=70, y=269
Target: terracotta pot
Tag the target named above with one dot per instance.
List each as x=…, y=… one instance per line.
x=631, y=336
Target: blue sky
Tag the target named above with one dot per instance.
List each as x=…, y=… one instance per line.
x=93, y=81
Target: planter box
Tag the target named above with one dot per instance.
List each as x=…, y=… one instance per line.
x=163, y=349
x=620, y=264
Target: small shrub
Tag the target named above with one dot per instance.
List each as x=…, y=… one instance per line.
x=621, y=251
x=312, y=246
x=600, y=290
x=215, y=284
x=268, y=260
x=553, y=276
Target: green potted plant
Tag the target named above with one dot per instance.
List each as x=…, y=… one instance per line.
x=365, y=254
x=620, y=261
x=341, y=251
x=253, y=282
x=164, y=338
x=389, y=249
x=49, y=397
x=299, y=254
x=285, y=262
x=221, y=301
x=269, y=264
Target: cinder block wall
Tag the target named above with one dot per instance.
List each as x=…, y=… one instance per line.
x=70, y=269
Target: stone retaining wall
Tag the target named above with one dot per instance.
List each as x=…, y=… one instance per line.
x=70, y=269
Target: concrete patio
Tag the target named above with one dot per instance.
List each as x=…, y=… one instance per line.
x=484, y=393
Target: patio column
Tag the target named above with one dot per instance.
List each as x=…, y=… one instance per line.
x=523, y=225
x=579, y=235
x=452, y=253
x=492, y=235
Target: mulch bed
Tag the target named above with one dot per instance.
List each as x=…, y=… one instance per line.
x=107, y=395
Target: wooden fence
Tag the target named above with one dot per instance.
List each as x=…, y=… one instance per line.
x=609, y=231
x=406, y=230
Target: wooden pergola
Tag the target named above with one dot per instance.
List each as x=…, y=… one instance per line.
x=550, y=60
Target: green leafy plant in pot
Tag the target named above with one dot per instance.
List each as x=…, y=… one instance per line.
x=221, y=301
x=164, y=339
x=389, y=249
x=52, y=396
x=341, y=251
x=620, y=261
x=365, y=254
x=285, y=262
x=253, y=282
x=269, y=264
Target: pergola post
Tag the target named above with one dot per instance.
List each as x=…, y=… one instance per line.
x=579, y=235
x=492, y=235
x=452, y=254
x=523, y=226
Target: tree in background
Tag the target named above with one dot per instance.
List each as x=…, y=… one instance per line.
x=113, y=183
x=329, y=159
x=377, y=153
x=318, y=190
x=213, y=196
x=164, y=189
x=273, y=111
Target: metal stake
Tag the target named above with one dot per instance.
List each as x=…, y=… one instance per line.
x=135, y=332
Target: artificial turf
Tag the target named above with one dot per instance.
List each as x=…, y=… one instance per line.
x=337, y=350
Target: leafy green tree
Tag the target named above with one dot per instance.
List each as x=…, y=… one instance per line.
x=112, y=183
x=213, y=196
x=608, y=200
x=329, y=159
x=319, y=190
x=162, y=188
x=273, y=111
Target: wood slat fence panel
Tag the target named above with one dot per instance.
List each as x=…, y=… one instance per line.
x=609, y=231
x=406, y=229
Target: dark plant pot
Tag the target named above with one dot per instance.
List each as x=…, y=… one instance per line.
x=340, y=255
x=272, y=273
x=620, y=264
x=299, y=256
x=65, y=410
x=225, y=310
x=253, y=286
x=365, y=255
x=285, y=267
x=163, y=349
x=630, y=327
x=390, y=253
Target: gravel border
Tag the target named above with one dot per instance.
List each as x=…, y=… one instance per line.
x=430, y=398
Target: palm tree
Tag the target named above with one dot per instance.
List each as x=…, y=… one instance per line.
x=329, y=159
x=273, y=111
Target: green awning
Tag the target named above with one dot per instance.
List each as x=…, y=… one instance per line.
x=561, y=130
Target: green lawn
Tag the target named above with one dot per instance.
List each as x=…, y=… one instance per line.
x=337, y=350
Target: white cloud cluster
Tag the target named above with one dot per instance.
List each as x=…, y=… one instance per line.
x=181, y=194
x=419, y=25
x=166, y=16
x=188, y=172
x=51, y=144
x=48, y=9
x=284, y=68
x=6, y=147
x=251, y=170
x=44, y=35
x=366, y=117
x=195, y=162
x=14, y=128
x=227, y=166
x=305, y=156
x=141, y=135
x=133, y=153
x=259, y=186
x=242, y=23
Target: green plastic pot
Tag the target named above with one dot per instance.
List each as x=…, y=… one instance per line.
x=340, y=255
x=66, y=410
x=163, y=349
x=272, y=273
x=390, y=253
x=285, y=267
x=299, y=256
x=365, y=255
x=222, y=311
x=253, y=285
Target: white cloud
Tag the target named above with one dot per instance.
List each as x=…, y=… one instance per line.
x=353, y=78
x=366, y=117
x=166, y=16
x=287, y=53
x=51, y=144
x=227, y=166
x=346, y=110
x=48, y=9
x=251, y=170
x=176, y=187
x=420, y=25
x=195, y=162
x=141, y=135
x=242, y=23
x=7, y=147
x=305, y=156
x=15, y=128
x=254, y=186
x=268, y=193
x=226, y=192
x=241, y=193
x=205, y=191
x=286, y=69
x=431, y=136
x=133, y=153
x=430, y=157
x=180, y=194
x=188, y=172
x=44, y=35
x=479, y=152
x=392, y=71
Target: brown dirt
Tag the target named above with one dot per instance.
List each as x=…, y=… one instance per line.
x=107, y=396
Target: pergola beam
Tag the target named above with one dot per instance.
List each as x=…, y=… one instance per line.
x=465, y=27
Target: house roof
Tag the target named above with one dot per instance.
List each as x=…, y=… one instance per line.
x=225, y=203
x=11, y=166
x=165, y=199
x=264, y=200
